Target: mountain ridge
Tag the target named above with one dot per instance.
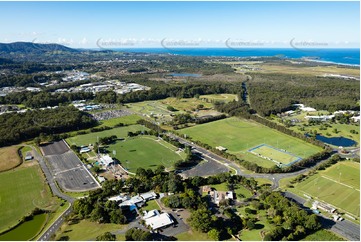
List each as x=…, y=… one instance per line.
x=29, y=47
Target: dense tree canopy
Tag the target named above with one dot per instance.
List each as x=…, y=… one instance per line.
x=274, y=93
x=17, y=127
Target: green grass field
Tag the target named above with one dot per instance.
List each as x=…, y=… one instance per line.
x=341, y=191
x=85, y=230
x=192, y=236
x=239, y=135
x=322, y=235
x=130, y=119
x=274, y=154
x=150, y=205
x=145, y=152
x=9, y=158
x=220, y=97
x=91, y=138
x=21, y=190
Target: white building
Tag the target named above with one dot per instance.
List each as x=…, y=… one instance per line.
x=305, y=109
x=159, y=221
x=119, y=198
x=84, y=150
x=356, y=119
x=101, y=179
x=321, y=118
x=106, y=160
x=133, y=201
x=149, y=196
x=150, y=214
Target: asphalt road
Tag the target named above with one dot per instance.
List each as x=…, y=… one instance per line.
x=208, y=155
x=55, y=190
x=345, y=228
x=55, y=226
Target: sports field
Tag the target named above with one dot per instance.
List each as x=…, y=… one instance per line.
x=240, y=135
x=158, y=109
x=21, y=190
x=271, y=153
x=338, y=185
x=91, y=138
x=129, y=119
x=9, y=158
x=145, y=152
x=220, y=97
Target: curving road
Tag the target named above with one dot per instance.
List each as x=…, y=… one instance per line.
x=346, y=229
x=208, y=155
x=55, y=190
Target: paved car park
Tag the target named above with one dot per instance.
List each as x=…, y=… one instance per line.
x=208, y=168
x=69, y=172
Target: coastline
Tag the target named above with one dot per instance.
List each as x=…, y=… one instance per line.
x=286, y=53
x=328, y=62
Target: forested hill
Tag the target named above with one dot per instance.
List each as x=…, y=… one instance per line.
x=28, y=47
x=274, y=93
x=5, y=61
x=18, y=127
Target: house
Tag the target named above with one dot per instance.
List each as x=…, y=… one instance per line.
x=84, y=150
x=126, y=204
x=119, y=198
x=290, y=112
x=106, y=160
x=159, y=221
x=137, y=201
x=356, y=119
x=29, y=157
x=303, y=108
x=218, y=196
x=101, y=179
x=321, y=118
x=221, y=148
x=149, y=196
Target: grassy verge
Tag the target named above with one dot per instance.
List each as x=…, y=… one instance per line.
x=85, y=230
x=322, y=235
x=9, y=158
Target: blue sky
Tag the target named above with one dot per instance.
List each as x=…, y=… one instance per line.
x=143, y=24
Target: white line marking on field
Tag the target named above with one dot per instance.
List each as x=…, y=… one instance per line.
x=340, y=183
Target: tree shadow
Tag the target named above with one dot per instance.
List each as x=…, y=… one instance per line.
x=258, y=226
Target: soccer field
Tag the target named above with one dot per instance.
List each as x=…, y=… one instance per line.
x=275, y=155
x=21, y=190
x=240, y=135
x=220, y=97
x=91, y=138
x=145, y=152
x=340, y=190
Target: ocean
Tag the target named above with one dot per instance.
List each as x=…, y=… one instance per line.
x=339, y=56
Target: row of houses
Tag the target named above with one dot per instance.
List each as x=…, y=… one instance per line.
x=218, y=196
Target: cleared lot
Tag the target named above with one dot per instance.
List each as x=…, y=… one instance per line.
x=68, y=170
